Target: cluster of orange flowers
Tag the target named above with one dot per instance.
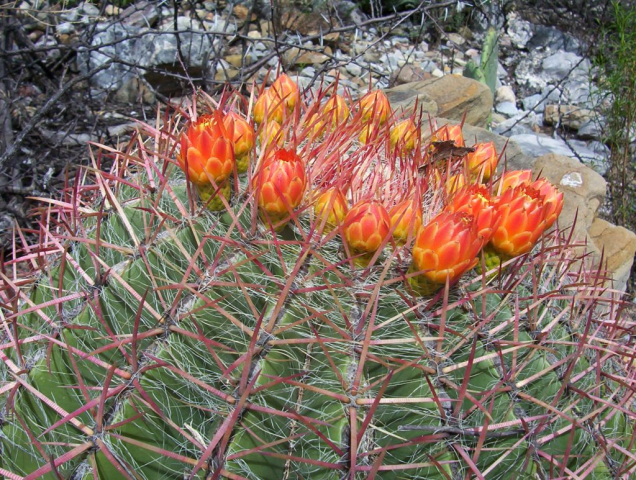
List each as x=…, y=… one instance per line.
x=504, y=226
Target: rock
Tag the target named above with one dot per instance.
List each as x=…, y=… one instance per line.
x=49, y=43
x=595, y=154
x=437, y=73
x=90, y=9
x=584, y=190
x=520, y=31
x=553, y=39
x=591, y=129
x=505, y=94
x=65, y=28
x=391, y=60
x=562, y=64
x=223, y=74
x=218, y=24
x=111, y=10
x=353, y=69
x=569, y=116
x=371, y=56
x=312, y=58
x=534, y=102
x=577, y=90
x=66, y=138
x=408, y=74
x=497, y=118
x=134, y=91
x=535, y=145
x=454, y=95
x=456, y=39
x=132, y=45
x=237, y=59
x=308, y=72
x=305, y=23
x=507, y=108
x=70, y=15
x=403, y=97
x=241, y=12
x=524, y=122
x=141, y=14
x=618, y=246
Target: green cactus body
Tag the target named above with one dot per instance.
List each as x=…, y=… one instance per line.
x=486, y=71
x=162, y=340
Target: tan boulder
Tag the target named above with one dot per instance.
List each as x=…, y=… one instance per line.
x=618, y=247
x=454, y=96
x=569, y=116
x=406, y=99
x=584, y=192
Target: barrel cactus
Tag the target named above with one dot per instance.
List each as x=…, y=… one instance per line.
x=333, y=312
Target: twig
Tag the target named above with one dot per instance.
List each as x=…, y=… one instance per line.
x=474, y=432
x=11, y=150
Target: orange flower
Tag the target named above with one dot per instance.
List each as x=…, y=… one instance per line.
x=206, y=151
x=406, y=219
x=332, y=204
x=447, y=247
x=337, y=110
x=242, y=135
x=404, y=133
x=280, y=184
x=522, y=221
x=514, y=178
x=374, y=105
x=449, y=132
x=455, y=183
x=483, y=161
x=285, y=89
x=552, y=199
x=272, y=134
x=270, y=107
x=475, y=200
x=369, y=133
x=366, y=226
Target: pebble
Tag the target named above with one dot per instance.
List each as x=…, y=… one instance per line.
x=308, y=72
x=111, y=10
x=505, y=94
x=507, y=108
x=90, y=9
x=65, y=28
x=354, y=69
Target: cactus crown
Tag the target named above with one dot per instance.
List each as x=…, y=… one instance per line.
x=146, y=336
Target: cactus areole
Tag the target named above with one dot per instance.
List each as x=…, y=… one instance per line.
x=325, y=320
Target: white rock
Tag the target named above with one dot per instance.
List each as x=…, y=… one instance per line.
x=456, y=38
x=507, y=108
x=520, y=31
x=353, y=69
x=437, y=73
x=65, y=28
x=560, y=64
x=505, y=94
x=90, y=9
x=572, y=179
x=308, y=72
